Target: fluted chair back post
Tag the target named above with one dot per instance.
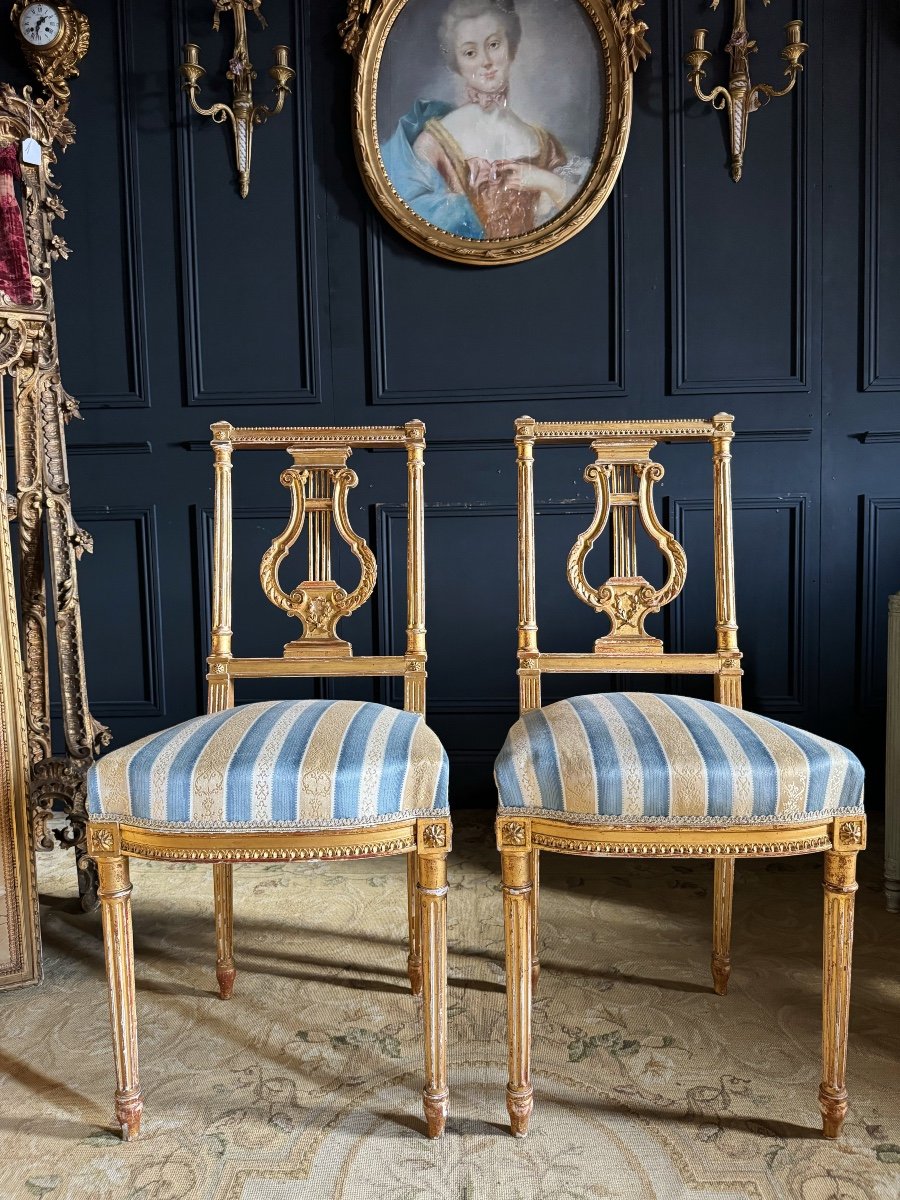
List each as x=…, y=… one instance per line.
x=414, y=678
x=220, y=689
x=529, y=671
x=728, y=682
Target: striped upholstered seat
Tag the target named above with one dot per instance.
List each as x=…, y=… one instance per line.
x=305, y=763
x=639, y=756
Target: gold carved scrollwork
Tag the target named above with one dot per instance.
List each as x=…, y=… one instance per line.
x=319, y=482
x=29, y=355
x=623, y=487
x=350, y=30
x=636, y=46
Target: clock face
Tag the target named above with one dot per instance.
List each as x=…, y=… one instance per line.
x=39, y=24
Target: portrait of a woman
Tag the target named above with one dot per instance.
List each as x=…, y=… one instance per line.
x=478, y=168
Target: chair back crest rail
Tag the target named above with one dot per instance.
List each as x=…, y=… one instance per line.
x=623, y=475
x=318, y=481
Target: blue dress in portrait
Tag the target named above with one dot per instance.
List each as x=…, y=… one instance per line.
x=420, y=184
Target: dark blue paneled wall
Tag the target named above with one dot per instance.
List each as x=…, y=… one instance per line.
x=777, y=299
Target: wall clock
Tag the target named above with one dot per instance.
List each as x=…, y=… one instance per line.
x=54, y=38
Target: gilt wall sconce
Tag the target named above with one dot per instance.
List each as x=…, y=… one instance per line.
x=243, y=114
x=740, y=99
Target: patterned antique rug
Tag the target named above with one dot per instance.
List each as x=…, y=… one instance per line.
x=306, y=1084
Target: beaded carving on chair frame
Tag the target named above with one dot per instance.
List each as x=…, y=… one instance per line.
x=289, y=780
x=657, y=776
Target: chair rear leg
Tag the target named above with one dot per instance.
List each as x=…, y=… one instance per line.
x=414, y=960
x=431, y=885
x=840, y=896
x=223, y=899
x=723, y=895
x=516, y=866
x=535, y=912
x=115, y=907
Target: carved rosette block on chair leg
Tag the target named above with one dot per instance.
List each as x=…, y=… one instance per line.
x=414, y=959
x=115, y=907
x=433, y=845
x=517, y=863
x=223, y=895
x=840, y=897
x=723, y=894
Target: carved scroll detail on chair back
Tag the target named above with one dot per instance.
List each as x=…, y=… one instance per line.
x=623, y=476
x=318, y=482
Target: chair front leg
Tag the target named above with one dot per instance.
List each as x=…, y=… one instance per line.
x=414, y=959
x=840, y=896
x=723, y=896
x=433, y=839
x=115, y=908
x=223, y=900
x=516, y=865
x=535, y=912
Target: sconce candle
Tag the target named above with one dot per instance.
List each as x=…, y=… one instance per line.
x=242, y=113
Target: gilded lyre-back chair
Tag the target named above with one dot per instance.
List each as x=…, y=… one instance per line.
x=648, y=775
x=284, y=781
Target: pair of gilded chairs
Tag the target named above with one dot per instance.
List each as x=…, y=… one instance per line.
x=613, y=774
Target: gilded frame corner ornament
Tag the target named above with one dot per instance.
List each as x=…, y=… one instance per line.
x=622, y=46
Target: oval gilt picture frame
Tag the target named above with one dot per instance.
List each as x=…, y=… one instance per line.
x=492, y=131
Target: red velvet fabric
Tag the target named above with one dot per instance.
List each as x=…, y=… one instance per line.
x=15, y=274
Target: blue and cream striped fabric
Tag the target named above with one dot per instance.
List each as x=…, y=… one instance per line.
x=293, y=762
x=638, y=756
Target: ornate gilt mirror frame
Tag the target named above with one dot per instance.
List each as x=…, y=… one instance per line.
x=20, y=944
x=621, y=46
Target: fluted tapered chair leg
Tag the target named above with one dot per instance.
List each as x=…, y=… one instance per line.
x=535, y=914
x=115, y=908
x=516, y=868
x=414, y=960
x=223, y=892
x=840, y=896
x=723, y=897
x=434, y=843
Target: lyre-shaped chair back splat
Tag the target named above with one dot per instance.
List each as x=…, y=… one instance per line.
x=318, y=483
x=623, y=476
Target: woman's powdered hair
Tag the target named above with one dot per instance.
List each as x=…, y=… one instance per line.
x=467, y=10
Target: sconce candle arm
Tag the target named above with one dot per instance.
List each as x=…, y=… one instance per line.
x=220, y=113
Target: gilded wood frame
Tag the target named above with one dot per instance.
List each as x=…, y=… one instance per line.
x=622, y=44
x=29, y=357
x=521, y=836
x=425, y=841
x=20, y=946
